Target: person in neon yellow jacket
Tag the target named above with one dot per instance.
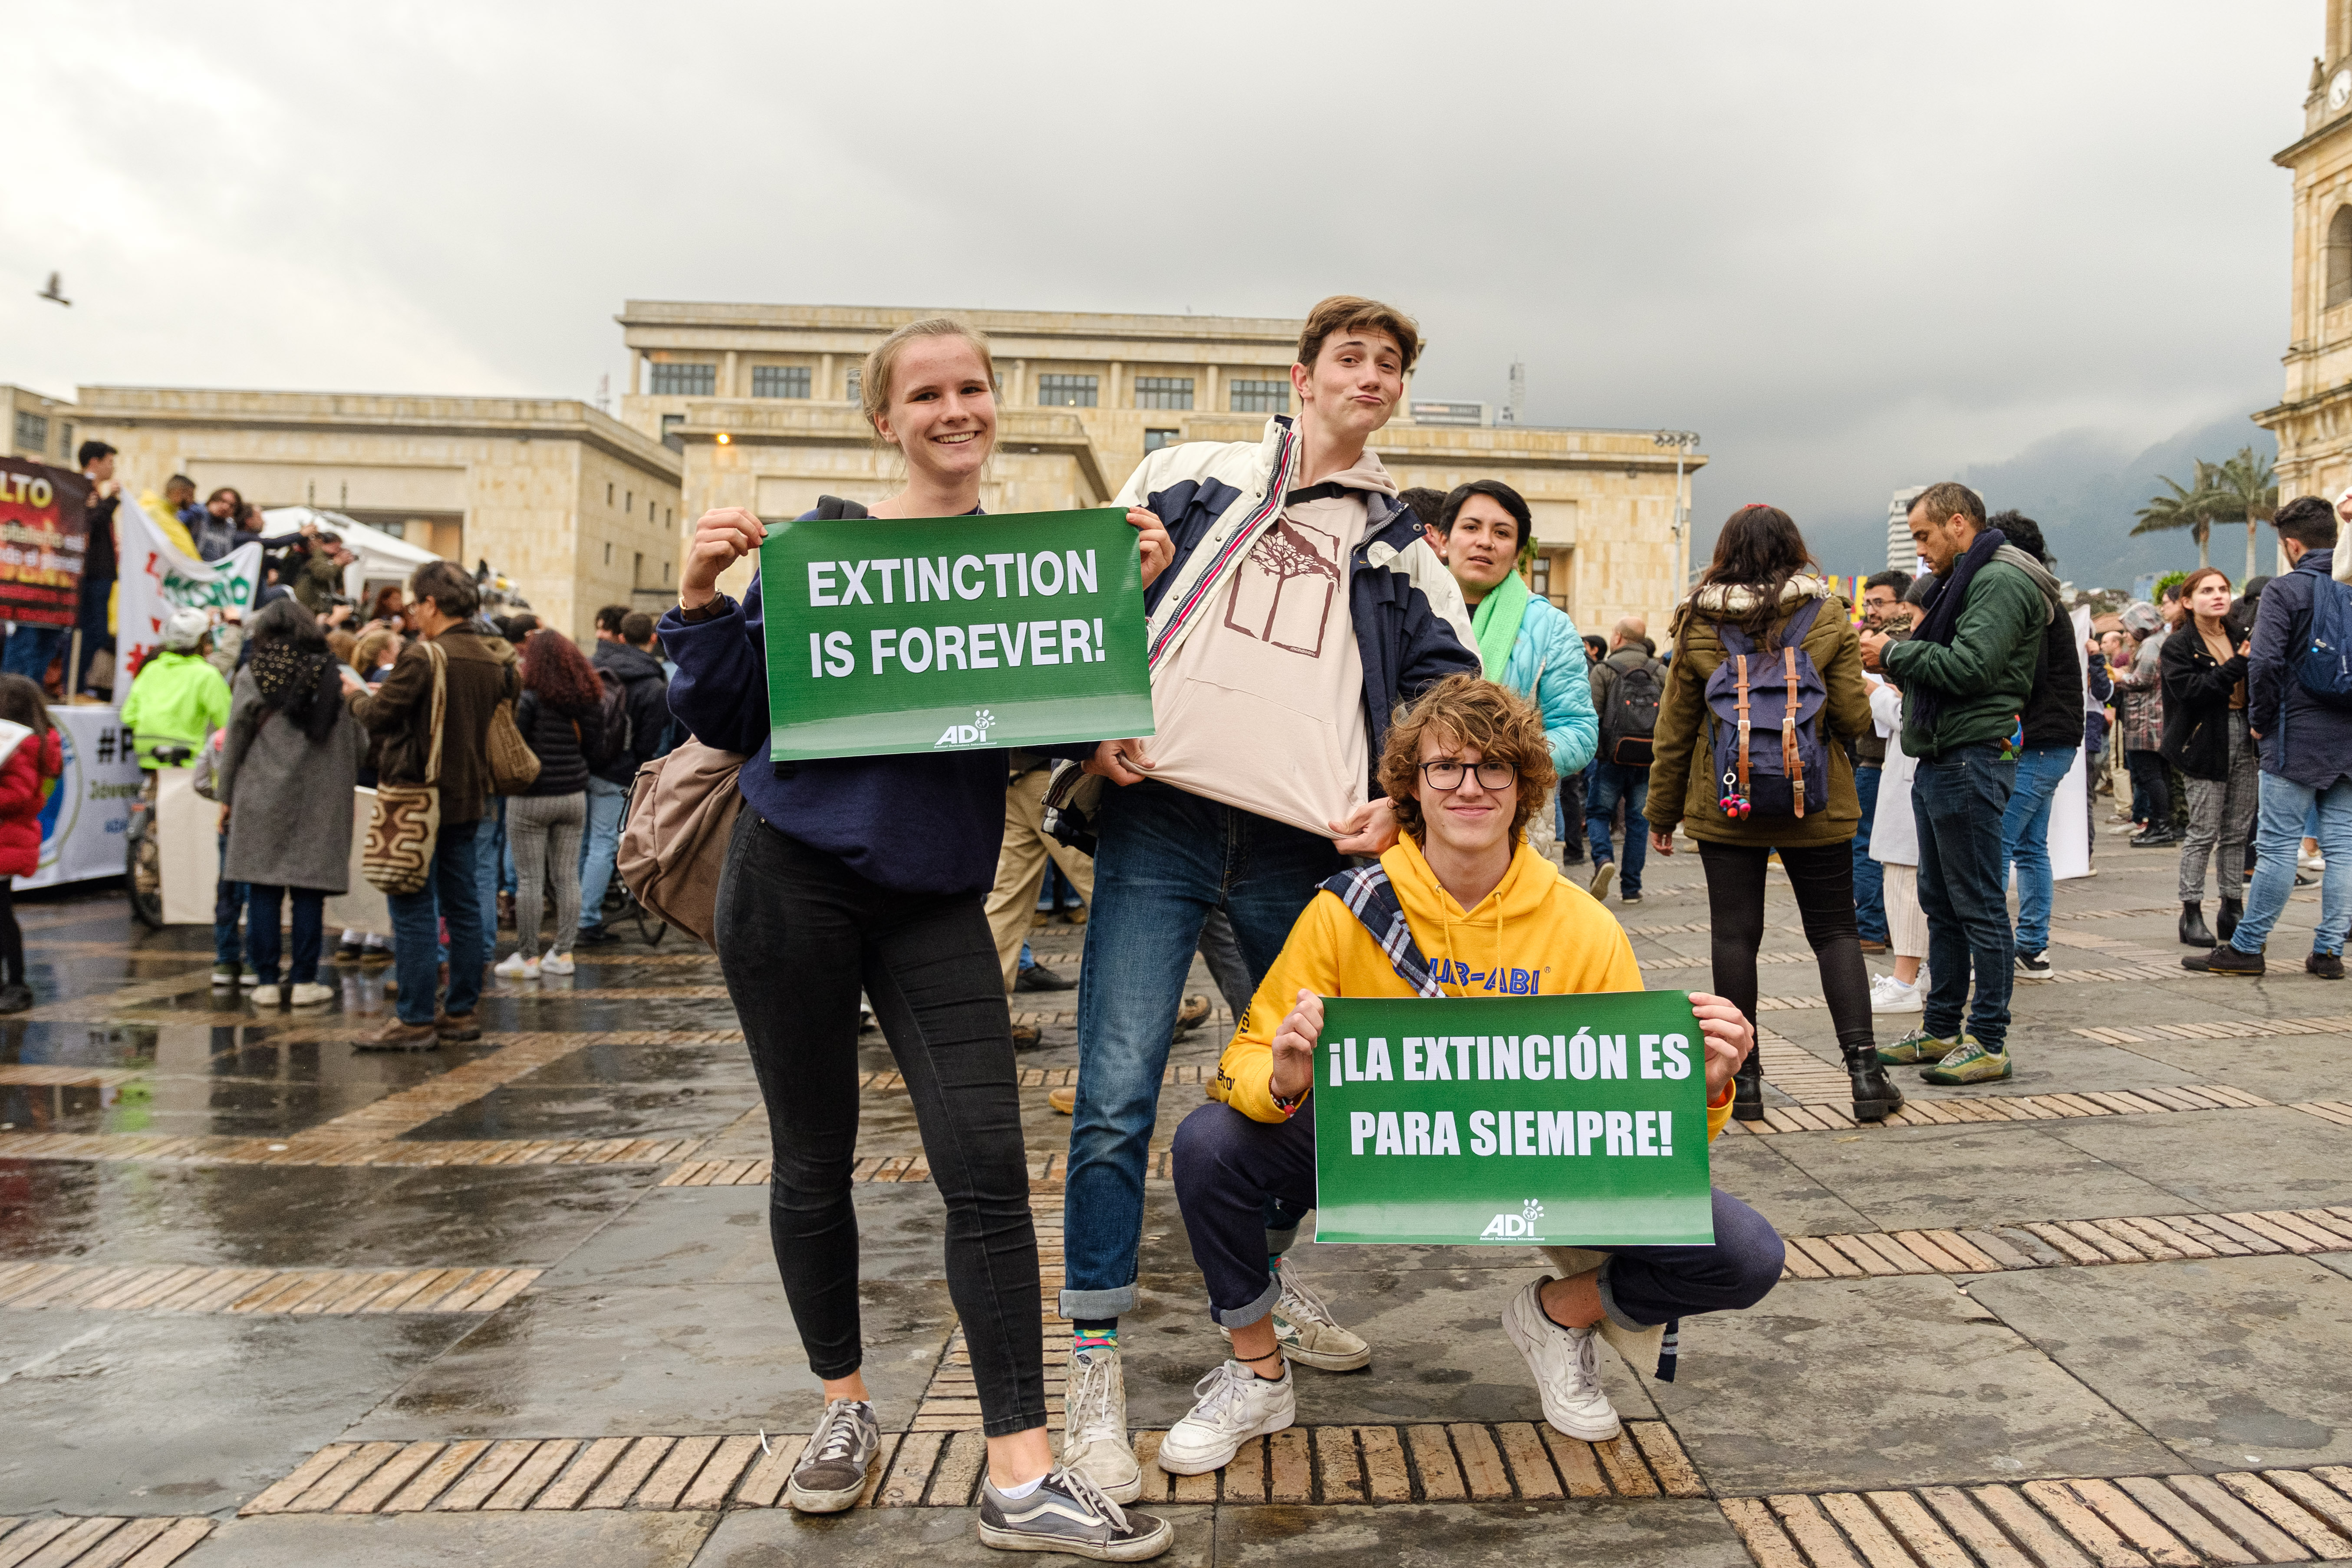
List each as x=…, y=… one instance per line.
x=176, y=698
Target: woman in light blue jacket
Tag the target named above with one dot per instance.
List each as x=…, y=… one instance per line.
x=1527, y=643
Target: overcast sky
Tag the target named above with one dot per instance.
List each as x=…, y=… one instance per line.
x=1853, y=245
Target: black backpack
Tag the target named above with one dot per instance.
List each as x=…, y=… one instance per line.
x=613, y=742
x=1629, y=721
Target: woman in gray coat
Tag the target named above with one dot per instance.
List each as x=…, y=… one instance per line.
x=287, y=772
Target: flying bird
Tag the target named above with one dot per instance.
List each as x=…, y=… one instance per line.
x=56, y=291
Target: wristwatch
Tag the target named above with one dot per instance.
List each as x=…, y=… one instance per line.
x=717, y=606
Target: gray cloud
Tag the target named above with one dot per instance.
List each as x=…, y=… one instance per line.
x=1853, y=245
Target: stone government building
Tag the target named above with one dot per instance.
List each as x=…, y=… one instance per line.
x=2313, y=420
x=760, y=402
x=755, y=405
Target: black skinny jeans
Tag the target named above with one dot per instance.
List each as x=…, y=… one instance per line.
x=1821, y=876
x=798, y=932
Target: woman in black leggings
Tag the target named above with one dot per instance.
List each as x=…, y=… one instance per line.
x=872, y=872
x=1760, y=594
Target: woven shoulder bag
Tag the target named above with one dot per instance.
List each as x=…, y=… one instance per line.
x=398, y=857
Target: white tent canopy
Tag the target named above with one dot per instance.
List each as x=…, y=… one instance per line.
x=378, y=557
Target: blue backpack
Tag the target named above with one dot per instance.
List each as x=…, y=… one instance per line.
x=1781, y=693
x=2324, y=667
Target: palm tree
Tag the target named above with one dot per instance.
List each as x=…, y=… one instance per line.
x=2244, y=486
x=2192, y=509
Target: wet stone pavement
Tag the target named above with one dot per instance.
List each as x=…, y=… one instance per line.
x=266, y=1299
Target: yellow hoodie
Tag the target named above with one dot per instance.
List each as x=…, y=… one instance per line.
x=1537, y=934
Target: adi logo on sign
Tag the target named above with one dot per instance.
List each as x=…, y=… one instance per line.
x=1519, y=1226
x=971, y=735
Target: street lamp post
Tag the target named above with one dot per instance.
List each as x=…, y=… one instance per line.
x=1683, y=442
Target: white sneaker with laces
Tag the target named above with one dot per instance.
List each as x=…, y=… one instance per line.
x=310, y=994
x=1566, y=1364
x=1888, y=994
x=1307, y=1333
x=1095, y=1442
x=555, y=962
x=1235, y=1405
x=517, y=965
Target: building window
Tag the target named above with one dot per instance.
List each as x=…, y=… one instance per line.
x=608, y=552
x=608, y=495
x=685, y=380
x=1163, y=392
x=779, y=381
x=650, y=505
x=1260, y=398
x=2339, y=259
x=1065, y=391
x=65, y=444
x=1155, y=439
x=857, y=382
x=670, y=438
x=32, y=432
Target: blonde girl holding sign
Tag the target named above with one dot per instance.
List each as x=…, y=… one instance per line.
x=871, y=872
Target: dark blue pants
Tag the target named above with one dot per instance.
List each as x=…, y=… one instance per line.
x=415, y=931
x=1166, y=857
x=1609, y=784
x=228, y=903
x=1228, y=1166
x=1959, y=801
x=1869, y=877
x=261, y=932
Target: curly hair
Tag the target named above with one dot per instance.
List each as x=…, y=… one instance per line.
x=1469, y=712
x=556, y=671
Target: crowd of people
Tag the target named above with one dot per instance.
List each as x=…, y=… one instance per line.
x=1314, y=818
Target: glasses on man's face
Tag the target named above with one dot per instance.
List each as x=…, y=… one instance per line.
x=1446, y=772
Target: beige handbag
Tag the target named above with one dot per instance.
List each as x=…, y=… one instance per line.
x=514, y=766
x=682, y=812
x=407, y=820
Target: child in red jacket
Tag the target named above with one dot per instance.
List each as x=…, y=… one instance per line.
x=30, y=755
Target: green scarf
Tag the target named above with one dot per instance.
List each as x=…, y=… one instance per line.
x=1496, y=621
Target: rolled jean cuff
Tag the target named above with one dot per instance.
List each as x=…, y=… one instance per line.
x=1617, y=1315
x=1009, y=1426
x=1080, y=1306
x=1242, y=1317
x=1278, y=1242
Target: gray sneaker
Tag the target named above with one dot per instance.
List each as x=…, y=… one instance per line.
x=831, y=1474
x=1069, y=1513
x=1095, y=1442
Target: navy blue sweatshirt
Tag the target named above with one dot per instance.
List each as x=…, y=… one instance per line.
x=922, y=823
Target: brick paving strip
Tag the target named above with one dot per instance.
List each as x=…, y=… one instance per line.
x=66, y=1541
x=299, y=1293
x=2045, y=1244
x=1457, y=1462
x=37, y=1075
x=2129, y=1521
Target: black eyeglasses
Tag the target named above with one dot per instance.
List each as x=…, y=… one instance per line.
x=1446, y=772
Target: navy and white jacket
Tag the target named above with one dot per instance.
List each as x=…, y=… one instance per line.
x=1217, y=496
x=2303, y=739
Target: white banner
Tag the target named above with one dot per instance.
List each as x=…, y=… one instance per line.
x=2070, y=817
x=88, y=806
x=157, y=579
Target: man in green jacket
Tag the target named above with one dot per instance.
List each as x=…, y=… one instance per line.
x=177, y=698
x=1964, y=675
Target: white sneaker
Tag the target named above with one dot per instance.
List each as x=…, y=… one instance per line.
x=517, y=965
x=1888, y=994
x=1307, y=1333
x=1095, y=1442
x=224, y=974
x=1566, y=1364
x=1235, y=1405
x=249, y=979
x=310, y=994
x=555, y=962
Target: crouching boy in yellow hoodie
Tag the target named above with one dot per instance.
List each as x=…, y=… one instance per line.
x=1467, y=768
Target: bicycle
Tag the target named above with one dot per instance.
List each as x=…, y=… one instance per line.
x=142, y=856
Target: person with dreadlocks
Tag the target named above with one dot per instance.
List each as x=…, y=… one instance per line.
x=286, y=774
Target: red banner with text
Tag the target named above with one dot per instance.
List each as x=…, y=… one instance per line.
x=43, y=533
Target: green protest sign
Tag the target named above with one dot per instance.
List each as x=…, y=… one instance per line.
x=889, y=634
x=1524, y=1120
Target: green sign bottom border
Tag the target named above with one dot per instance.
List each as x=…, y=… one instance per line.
x=1025, y=722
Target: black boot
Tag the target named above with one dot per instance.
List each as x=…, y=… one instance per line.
x=2226, y=921
x=1748, y=1089
x=2192, y=925
x=1873, y=1096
